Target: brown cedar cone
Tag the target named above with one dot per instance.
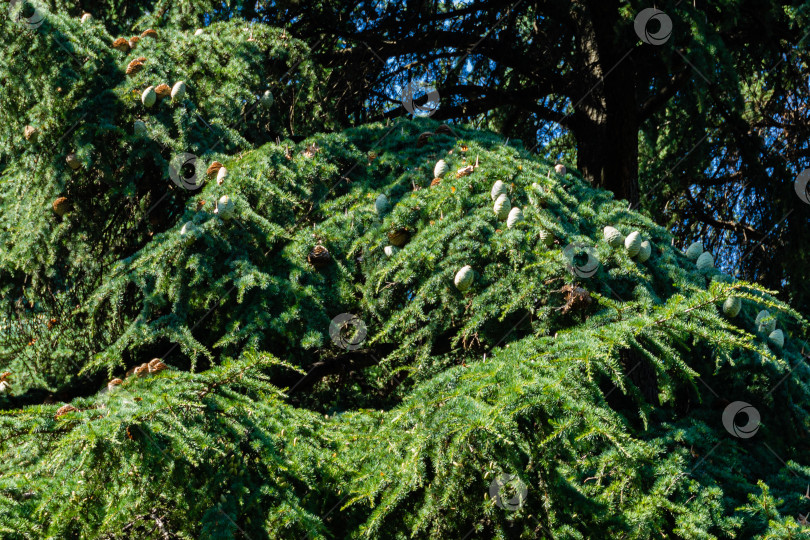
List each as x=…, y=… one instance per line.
x=576, y=298
x=149, y=33
x=435, y=182
x=465, y=171
x=61, y=206
x=319, y=257
x=30, y=133
x=63, y=410
x=113, y=383
x=213, y=168
x=444, y=129
x=163, y=91
x=72, y=161
x=399, y=237
x=133, y=41
x=423, y=139
x=156, y=365
x=121, y=44
x=134, y=67
x=142, y=370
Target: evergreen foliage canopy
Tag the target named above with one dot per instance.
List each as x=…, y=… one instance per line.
x=268, y=423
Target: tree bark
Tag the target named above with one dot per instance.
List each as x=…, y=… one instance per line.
x=606, y=120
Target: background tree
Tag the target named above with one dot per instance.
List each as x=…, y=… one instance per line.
x=735, y=190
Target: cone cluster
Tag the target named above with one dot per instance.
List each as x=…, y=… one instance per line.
x=123, y=44
x=703, y=259
x=153, y=366
x=153, y=94
x=635, y=246
x=766, y=325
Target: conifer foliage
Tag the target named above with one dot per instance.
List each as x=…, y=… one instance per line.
x=352, y=341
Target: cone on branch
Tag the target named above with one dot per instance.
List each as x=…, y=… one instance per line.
x=73, y=161
x=156, y=365
x=319, y=257
x=399, y=237
x=61, y=206
x=121, y=44
x=134, y=67
x=63, y=410
x=423, y=139
x=163, y=91
x=213, y=169
x=31, y=133
x=576, y=298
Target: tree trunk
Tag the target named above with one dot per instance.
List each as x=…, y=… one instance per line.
x=607, y=155
x=605, y=121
